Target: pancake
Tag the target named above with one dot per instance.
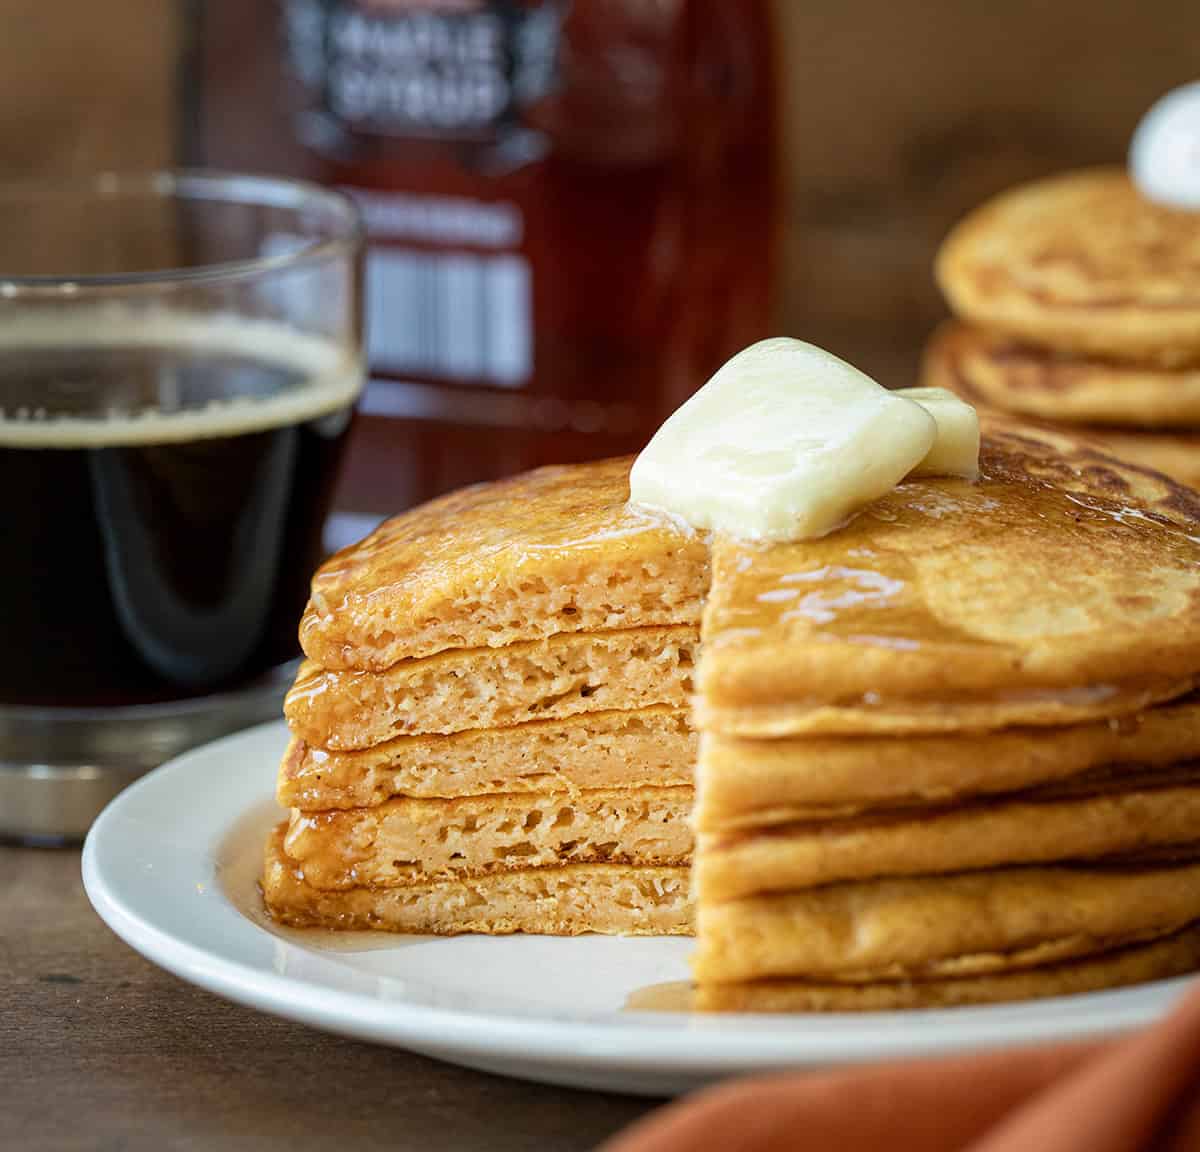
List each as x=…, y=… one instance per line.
x=406, y=841
x=881, y=928
x=1174, y=454
x=1154, y=811
x=1080, y=262
x=564, y=675
x=550, y=551
x=568, y=901
x=988, y=369
x=649, y=746
x=1063, y=586
x=1157, y=959
x=760, y=782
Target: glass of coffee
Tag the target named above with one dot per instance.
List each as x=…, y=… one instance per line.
x=180, y=355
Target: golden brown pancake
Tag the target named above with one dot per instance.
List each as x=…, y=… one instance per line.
x=884, y=929
x=551, y=551
x=519, y=659
x=748, y=783
x=620, y=749
x=1063, y=586
x=406, y=841
x=1154, y=811
x=989, y=369
x=1157, y=959
x=564, y=675
x=567, y=901
x=1176, y=454
x=1080, y=262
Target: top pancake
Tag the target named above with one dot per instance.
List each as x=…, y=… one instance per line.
x=1063, y=586
x=1080, y=262
x=988, y=368
x=551, y=551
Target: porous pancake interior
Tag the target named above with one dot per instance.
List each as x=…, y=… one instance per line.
x=563, y=675
x=1080, y=261
x=555, y=550
x=566, y=901
x=1051, y=591
x=491, y=733
x=618, y=749
x=406, y=841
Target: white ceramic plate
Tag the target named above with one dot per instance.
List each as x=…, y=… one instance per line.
x=171, y=866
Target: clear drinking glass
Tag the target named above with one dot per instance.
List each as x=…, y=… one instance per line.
x=180, y=354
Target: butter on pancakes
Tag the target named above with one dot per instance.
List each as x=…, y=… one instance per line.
x=1061, y=587
x=949, y=753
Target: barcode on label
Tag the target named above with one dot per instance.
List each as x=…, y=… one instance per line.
x=450, y=315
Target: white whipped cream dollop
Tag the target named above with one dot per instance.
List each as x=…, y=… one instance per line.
x=787, y=441
x=1164, y=155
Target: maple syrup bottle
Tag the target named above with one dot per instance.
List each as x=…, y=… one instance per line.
x=569, y=208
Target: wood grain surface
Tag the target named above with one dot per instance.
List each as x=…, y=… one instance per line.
x=101, y=1050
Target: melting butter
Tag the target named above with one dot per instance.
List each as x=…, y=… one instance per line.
x=787, y=442
x=955, y=452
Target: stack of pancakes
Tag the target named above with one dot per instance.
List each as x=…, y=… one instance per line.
x=951, y=752
x=1079, y=302
x=490, y=728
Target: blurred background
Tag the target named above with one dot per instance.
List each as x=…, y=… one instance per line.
x=866, y=129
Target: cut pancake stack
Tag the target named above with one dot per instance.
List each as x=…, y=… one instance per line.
x=491, y=730
x=1079, y=303
x=950, y=753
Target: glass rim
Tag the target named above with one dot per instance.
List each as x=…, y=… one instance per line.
x=346, y=234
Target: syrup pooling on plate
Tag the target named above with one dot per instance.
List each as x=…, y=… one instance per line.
x=239, y=870
x=669, y=996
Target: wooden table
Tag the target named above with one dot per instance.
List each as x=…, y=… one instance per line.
x=101, y=1050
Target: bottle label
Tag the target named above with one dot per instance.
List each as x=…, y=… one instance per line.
x=448, y=290
x=434, y=69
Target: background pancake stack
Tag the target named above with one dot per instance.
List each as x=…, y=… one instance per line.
x=951, y=752
x=491, y=729
x=1079, y=302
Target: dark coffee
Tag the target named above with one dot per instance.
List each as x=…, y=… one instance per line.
x=163, y=505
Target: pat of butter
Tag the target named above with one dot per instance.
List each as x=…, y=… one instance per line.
x=955, y=452
x=785, y=442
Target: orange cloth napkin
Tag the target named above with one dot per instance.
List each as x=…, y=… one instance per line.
x=1138, y=1092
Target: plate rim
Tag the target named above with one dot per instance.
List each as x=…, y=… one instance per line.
x=686, y=1043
